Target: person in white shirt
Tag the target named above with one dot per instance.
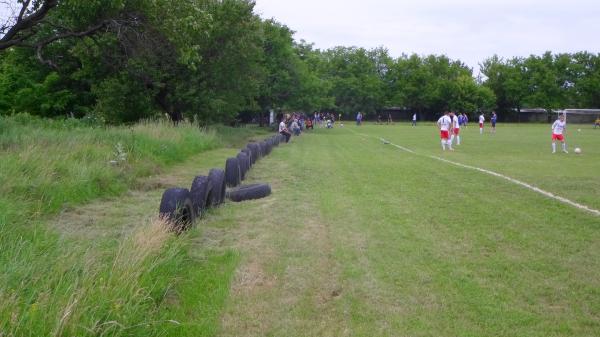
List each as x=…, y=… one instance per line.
x=284, y=130
x=455, y=129
x=414, y=120
x=445, y=125
x=558, y=130
x=481, y=120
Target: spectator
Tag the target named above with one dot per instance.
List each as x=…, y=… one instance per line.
x=309, y=124
x=295, y=127
x=284, y=130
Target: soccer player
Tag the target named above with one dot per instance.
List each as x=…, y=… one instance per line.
x=481, y=120
x=359, y=118
x=445, y=125
x=455, y=128
x=558, y=129
x=493, y=120
x=414, y=120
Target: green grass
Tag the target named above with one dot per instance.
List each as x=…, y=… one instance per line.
x=55, y=281
x=520, y=151
x=358, y=239
x=363, y=239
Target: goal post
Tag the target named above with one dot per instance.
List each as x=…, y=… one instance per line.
x=579, y=116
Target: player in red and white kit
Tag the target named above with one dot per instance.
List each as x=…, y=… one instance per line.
x=558, y=130
x=445, y=125
x=455, y=129
x=481, y=120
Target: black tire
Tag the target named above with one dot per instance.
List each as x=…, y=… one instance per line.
x=249, y=192
x=269, y=145
x=248, y=153
x=252, y=155
x=275, y=140
x=177, y=208
x=263, y=148
x=232, y=172
x=243, y=162
x=201, y=193
x=248, y=164
x=255, y=152
x=217, y=180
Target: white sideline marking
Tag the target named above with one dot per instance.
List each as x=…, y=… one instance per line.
x=512, y=180
x=526, y=185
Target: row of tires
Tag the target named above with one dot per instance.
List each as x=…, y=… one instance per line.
x=181, y=207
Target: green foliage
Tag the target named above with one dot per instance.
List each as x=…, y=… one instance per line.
x=548, y=81
x=211, y=60
x=122, y=100
x=25, y=86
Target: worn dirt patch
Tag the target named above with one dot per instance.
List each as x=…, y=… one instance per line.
x=252, y=278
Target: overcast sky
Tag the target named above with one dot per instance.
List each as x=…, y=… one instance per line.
x=469, y=30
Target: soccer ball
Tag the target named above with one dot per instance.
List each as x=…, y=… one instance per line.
x=577, y=150
x=578, y=130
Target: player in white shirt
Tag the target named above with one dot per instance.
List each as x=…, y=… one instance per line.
x=558, y=129
x=455, y=129
x=445, y=125
x=481, y=120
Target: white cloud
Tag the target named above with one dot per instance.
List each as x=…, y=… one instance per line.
x=468, y=30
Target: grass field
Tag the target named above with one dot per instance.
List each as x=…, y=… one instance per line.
x=362, y=239
x=358, y=239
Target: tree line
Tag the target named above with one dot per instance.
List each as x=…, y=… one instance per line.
x=120, y=61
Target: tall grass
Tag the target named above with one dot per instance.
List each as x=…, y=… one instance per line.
x=46, y=164
x=50, y=286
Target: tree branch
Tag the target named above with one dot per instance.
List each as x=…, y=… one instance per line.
x=40, y=45
x=23, y=9
x=23, y=23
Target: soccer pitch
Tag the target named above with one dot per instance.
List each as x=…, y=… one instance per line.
x=363, y=238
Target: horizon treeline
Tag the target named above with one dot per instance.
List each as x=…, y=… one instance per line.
x=119, y=61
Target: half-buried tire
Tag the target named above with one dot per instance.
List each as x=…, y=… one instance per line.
x=255, y=151
x=263, y=148
x=201, y=193
x=268, y=145
x=232, y=172
x=217, y=180
x=249, y=192
x=248, y=153
x=244, y=166
x=177, y=208
x=271, y=144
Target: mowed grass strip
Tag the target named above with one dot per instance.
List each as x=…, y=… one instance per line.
x=360, y=238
